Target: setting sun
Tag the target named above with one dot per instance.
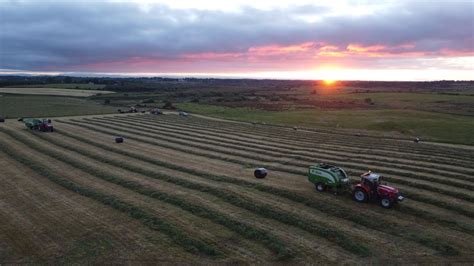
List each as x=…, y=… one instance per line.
x=329, y=82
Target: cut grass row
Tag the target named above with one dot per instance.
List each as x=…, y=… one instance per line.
x=277, y=145
x=354, y=141
x=319, y=229
x=314, y=143
x=216, y=147
x=280, y=153
x=340, y=211
x=247, y=231
x=174, y=233
x=412, y=195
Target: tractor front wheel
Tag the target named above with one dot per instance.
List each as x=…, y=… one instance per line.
x=320, y=187
x=359, y=195
x=386, y=203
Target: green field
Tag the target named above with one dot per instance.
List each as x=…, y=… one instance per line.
x=82, y=86
x=427, y=125
x=12, y=106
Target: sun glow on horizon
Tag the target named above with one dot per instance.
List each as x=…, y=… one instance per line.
x=329, y=82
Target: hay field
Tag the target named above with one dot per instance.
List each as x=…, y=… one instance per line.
x=54, y=91
x=182, y=190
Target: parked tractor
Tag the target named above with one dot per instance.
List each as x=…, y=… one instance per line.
x=325, y=176
x=43, y=125
x=370, y=189
x=132, y=109
x=156, y=111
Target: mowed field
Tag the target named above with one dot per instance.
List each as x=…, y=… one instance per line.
x=182, y=190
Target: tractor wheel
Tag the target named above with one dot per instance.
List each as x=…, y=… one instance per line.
x=386, y=203
x=320, y=187
x=51, y=129
x=359, y=195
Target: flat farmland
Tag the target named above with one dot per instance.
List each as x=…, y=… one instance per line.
x=53, y=91
x=182, y=190
x=16, y=105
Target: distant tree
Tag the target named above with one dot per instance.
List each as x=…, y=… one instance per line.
x=148, y=101
x=107, y=101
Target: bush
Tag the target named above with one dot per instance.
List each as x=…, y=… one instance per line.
x=368, y=101
x=169, y=105
x=148, y=101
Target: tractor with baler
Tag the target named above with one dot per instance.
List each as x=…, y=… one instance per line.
x=329, y=177
x=43, y=125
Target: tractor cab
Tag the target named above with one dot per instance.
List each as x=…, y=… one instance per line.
x=370, y=180
x=370, y=188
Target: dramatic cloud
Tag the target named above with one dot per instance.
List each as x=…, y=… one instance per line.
x=162, y=38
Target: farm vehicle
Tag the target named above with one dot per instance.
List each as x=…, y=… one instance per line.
x=43, y=125
x=328, y=177
x=156, y=111
x=130, y=110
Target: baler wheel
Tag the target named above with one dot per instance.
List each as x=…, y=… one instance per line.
x=320, y=187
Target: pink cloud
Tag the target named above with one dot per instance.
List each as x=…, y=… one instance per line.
x=271, y=50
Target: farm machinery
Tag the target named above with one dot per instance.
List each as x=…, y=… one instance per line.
x=370, y=189
x=325, y=176
x=156, y=111
x=43, y=125
x=132, y=109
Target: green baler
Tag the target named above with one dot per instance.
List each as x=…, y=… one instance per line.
x=325, y=176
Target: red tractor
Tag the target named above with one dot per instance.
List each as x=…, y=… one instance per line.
x=370, y=189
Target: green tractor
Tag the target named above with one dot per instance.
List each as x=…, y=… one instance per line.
x=325, y=176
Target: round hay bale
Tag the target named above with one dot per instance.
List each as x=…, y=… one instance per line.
x=295, y=128
x=118, y=139
x=260, y=173
x=416, y=140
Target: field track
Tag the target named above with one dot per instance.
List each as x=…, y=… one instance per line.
x=182, y=190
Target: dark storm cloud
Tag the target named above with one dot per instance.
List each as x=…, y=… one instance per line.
x=60, y=36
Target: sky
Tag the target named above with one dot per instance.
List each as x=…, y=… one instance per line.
x=297, y=39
